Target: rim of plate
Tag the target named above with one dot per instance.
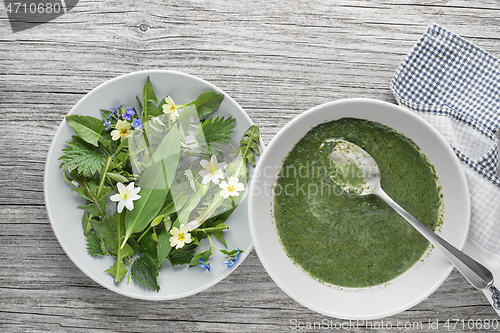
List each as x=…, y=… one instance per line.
x=256, y=200
x=52, y=151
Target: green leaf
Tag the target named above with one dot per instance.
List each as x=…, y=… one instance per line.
x=145, y=272
x=150, y=100
x=169, y=150
x=105, y=113
x=207, y=102
x=183, y=255
x=192, y=203
x=163, y=246
x=117, y=177
x=202, y=255
x=231, y=253
x=87, y=128
x=82, y=192
x=91, y=208
x=249, y=145
x=213, y=132
x=148, y=93
x=82, y=157
x=219, y=233
x=87, y=227
x=174, y=202
x=118, y=270
x=94, y=244
x=106, y=229
x=148, y=246
x=155, y=181
x=151, y=109
x=153, y=193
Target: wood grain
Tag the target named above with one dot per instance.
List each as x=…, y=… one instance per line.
x=275, y=58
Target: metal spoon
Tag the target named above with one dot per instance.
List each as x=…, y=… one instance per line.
x=357, y=173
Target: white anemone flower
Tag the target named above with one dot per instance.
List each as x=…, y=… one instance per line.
x=212, y=171
x=170, y=108
x=180, y=236
x=122, y=130
x=231, y=188
x=125, y=196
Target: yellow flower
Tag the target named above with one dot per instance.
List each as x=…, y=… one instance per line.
x=170, y=108
x=180, y=236
x=212, y=171
x=122, y=130
x=231, y=188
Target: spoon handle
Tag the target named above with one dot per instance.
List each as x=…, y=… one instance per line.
x=493, y=295
x=478, y=275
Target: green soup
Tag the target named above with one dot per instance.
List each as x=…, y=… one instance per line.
x=355, y=241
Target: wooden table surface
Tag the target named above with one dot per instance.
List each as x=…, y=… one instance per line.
x=276, y=59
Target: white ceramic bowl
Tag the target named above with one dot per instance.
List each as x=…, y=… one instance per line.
x=359, y=303
x=61, y=202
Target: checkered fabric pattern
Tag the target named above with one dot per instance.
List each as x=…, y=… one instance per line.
x=455, y=86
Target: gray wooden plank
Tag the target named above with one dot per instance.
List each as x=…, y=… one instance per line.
x=276, y=58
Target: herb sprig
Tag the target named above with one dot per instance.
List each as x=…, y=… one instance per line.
x=174, y=176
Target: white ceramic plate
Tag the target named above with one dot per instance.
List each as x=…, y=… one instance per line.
x=61, y=202
x=359, y=303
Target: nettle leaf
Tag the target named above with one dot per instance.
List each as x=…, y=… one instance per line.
x=107, y=230
x=81, y=156
x=94, y=244
x=145, y=272
x=182, y=256
x=213, y=133
x=207, y=103
x=87, y=128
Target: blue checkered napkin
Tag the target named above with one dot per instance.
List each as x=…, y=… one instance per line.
x=448, y=76
x=455, y=86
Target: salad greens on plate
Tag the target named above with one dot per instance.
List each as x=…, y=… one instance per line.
x=158, y=180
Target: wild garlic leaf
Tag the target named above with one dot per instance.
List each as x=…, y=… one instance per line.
x=155, y=183
x=150, y=100
x=81, y=156
x=207, y=103
x=87, y=128
x=213, y=133
x=145, y=272
x=163, y=248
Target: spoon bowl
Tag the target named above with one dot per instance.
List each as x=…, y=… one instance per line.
x=357, y=173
